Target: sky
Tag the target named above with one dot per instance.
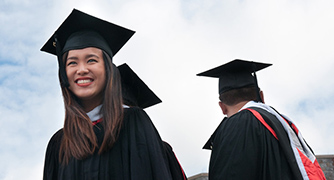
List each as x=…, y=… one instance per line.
x=174, y=41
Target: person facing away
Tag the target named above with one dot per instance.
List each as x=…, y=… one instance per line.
x=136, y=93
x=101, y=137
x=254, y=141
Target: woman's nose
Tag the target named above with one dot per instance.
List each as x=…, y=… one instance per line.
x=82, y=69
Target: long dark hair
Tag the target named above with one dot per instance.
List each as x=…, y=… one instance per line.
x=79, y=140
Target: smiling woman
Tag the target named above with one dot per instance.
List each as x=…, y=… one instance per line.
x=102, y=138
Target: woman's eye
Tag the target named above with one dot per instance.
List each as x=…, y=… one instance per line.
x=92, y=60
x=71, y=63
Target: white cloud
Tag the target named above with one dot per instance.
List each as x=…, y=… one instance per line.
x=174, y=41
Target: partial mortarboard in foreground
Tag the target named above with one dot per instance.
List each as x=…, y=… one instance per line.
x=81, y=30
x=235, y=74
x=110, y=36
x=134, y=91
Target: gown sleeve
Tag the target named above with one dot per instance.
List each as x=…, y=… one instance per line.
x=51, y=157
x=150, y=161
x=174, y=165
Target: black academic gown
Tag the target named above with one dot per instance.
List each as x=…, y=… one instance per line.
x=242, y=148
x=174, y=165
x=138, y=154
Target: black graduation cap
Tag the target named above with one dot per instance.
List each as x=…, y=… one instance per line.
x=81, y=30
x=134, y=91
x=235, y=74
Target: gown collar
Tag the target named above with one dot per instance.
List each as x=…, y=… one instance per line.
x=95, y=114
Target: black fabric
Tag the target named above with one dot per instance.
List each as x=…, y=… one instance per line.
x=115, y=36
x=86, y=38
x=208, y=145
x=138, y=154
x=175, y=167
x=134, y=90
x=235, y=74
x=242, y=148
x=284, y=140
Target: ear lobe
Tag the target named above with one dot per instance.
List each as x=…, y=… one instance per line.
x=223, y=107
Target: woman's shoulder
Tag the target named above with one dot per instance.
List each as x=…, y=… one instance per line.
x=56, y=138
x=58, y=134
x=53, y=146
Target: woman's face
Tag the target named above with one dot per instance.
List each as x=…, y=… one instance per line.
x=86, y=75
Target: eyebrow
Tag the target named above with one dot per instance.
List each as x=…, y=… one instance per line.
x=87, y=57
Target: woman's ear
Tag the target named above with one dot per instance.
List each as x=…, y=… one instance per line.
x=223, y=107
x=262, y=96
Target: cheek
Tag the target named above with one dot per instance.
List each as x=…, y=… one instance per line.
x=70, y=72
x=67, y=71
x=100, y=74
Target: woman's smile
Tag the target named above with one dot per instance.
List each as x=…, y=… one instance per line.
x=83, y=82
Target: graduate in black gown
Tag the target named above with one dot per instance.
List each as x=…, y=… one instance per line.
x=137, y=94
x=102, y=138
x=254, y=141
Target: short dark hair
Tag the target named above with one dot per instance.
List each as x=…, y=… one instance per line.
x=236, y=96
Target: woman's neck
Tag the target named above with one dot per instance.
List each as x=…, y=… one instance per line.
x=89, y=105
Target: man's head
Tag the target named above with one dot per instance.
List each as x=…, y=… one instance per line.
x=237, y=81
x=231, y=101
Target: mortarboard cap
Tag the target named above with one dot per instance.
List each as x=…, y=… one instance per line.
x=85, y=27
x=134, y=91
x=81, y=30
x=235, y=74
